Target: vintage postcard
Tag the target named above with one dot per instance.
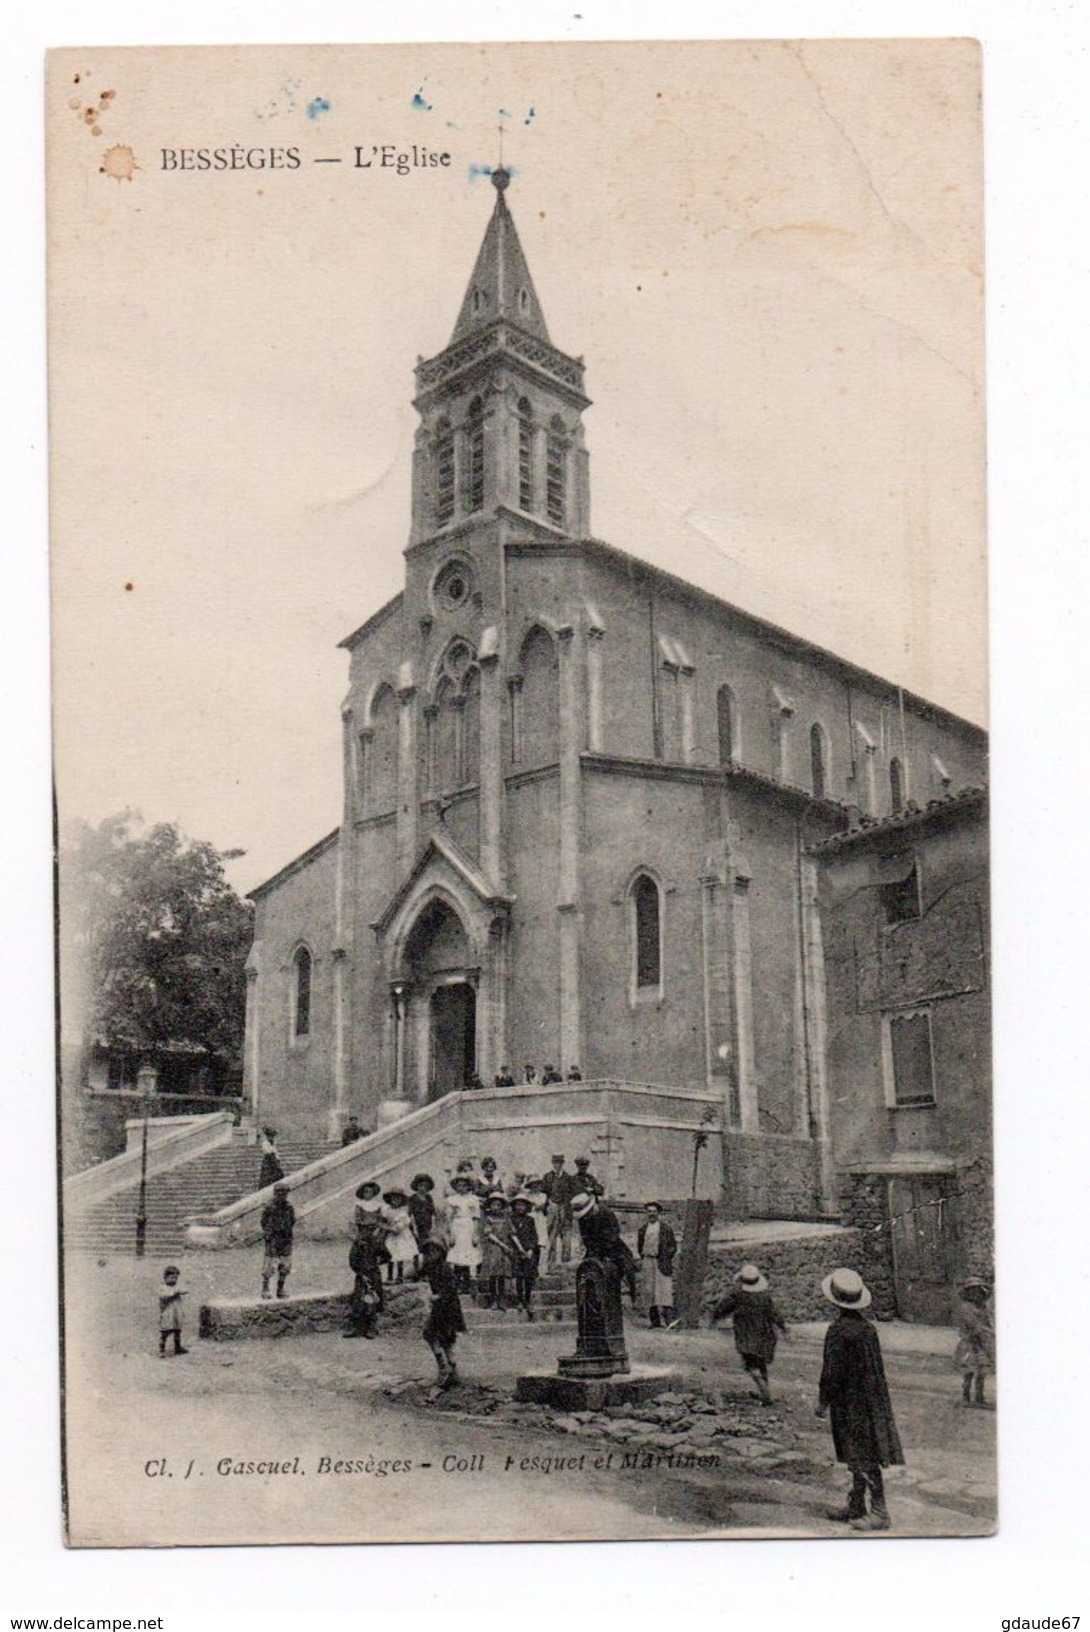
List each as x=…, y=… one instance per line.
x=518, y=545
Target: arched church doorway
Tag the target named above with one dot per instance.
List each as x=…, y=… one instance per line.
x=440, y=1003
x=453, y=1038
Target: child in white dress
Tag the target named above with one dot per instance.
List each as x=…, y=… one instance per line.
x=463, y=1223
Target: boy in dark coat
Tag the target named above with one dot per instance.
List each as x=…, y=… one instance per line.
x=853, y=1391
x=755, y=1317
x=445, y=1319
x=365, y=1260
x=277, y=1228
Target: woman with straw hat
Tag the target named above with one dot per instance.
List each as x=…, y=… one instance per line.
x=854, y=1392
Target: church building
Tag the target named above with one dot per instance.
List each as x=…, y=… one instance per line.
x=583, y=799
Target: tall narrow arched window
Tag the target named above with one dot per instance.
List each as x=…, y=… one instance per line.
x=526, y=454
x=475, y=456
x=471, y=727
x=444, y=473
x=448, y=770
x=818, y=766
x=896, y=787
x=539, y=701
x=300, y=1006
x=556, y=472
x=727, y=723
x=380, y=778
x=647, y=933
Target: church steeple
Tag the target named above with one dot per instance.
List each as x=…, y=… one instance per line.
x=501, y=285
x=501, y=434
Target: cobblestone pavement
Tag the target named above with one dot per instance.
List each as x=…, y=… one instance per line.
x=704, y=1459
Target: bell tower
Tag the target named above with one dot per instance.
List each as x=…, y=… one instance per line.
x=501, y=433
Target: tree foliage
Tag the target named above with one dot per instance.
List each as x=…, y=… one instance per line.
x=161, y=936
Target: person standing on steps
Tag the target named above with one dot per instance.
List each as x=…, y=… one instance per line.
x=559, y=1187
x=854, y=1392
x=504, y=1079
x=550, y=1076
x=422, y=1208
x=400, y=1240
x=278, y=1230
x=755, y=1318
x=497, y=1251
x=352, y=1131
x=527, y=1250
x=584, y=1178
x=975, y=1353
x=271, y=1170
x=463, y=1225
x=656, y=1248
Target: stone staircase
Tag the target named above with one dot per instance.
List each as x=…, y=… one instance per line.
x=553, y=1303
x=196, y=1187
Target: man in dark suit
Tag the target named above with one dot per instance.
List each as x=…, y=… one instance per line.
x=559, y=1186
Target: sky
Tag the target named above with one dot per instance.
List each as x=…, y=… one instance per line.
x=768, y=254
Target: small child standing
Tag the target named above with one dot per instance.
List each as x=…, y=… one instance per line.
x=171, y=1293
x=975, y=1353
x=755, y=1319
x=278, y=1230
x=527, y=1250
x=445, y=1319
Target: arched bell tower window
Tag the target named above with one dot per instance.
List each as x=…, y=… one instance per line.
x=556, y=472
x=646, y=921
x=727, y=723
x=818, y=762
x=896, y=787
x=302, y=965
x=444, y=473
x=475, y=456
x=526, y=453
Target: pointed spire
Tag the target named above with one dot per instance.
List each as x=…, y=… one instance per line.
x=501, y=285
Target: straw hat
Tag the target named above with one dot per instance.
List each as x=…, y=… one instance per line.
x=392, y=1197
x=846, y=1289
x=496, y=1200
x=423, y=1181
x=367, y=1189
x=523, y=1197
x=750, y=1279
x=975, y=1283
x=582, y=1204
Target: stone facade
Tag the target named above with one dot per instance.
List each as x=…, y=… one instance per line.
x=905, y=926
x=579, y=795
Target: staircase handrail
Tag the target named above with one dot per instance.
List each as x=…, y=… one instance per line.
x=106, y=1179
x=328, y=1176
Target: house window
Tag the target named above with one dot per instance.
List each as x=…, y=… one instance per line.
x=526, y=455
x=444, y=473
x=475, y=456
x=647, y=921
x=556, y=474
x=301, y=998
x=896, y=787
x=817, y=761
x=910, y=1062
x=728, y=727
x=900, y=897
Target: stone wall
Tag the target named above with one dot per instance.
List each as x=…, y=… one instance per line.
x=795, y=1268
x=769, y=1176
x=864, y=1206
